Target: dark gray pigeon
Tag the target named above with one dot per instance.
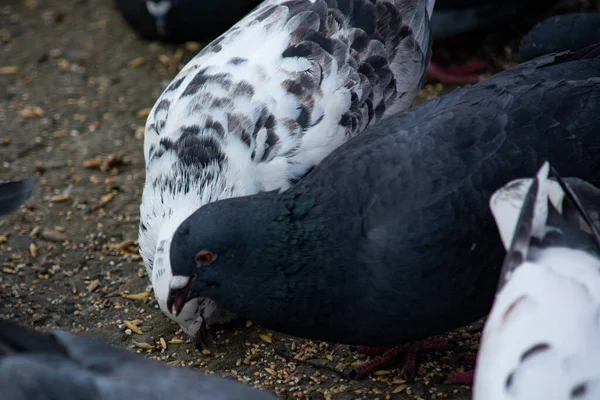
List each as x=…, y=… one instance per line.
x=13, y=194
x=63, y=366
x=178, y=21
x=390, y=239
x=540, y=340
x=572, y=31
x=452, y=18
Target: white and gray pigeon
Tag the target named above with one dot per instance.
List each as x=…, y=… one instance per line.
x=59, y=365
x=541, y=340
x=14, y=193
x=264, y=103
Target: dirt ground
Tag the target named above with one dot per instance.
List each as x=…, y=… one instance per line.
x=75, y=88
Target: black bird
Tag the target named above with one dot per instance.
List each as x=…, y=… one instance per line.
x=572, y=31
x=451, y=18
x=390, y=239
x=13, y=194
x=61, y=365
x=178, y=21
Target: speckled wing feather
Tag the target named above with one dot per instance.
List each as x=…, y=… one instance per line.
x=541, y=339
x=265, y=102
x=13, y=194
x=65, y=366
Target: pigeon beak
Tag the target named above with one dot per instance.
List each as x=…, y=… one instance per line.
x=179, y=296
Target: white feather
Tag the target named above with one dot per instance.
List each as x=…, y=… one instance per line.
x=555, y=301
x=506, y=204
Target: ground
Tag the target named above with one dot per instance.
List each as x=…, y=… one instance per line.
x=75, y=87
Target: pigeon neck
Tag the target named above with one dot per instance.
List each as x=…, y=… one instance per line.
x=297, y=231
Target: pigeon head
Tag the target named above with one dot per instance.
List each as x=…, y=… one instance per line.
x=214, y=244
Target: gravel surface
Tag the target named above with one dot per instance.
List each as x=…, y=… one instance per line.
x=75, y=88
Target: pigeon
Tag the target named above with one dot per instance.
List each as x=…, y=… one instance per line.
x=455, y=17
x=571, y=31
x=263, y=104
x=66, y=366
x=540, y=340
x=390, y=239
x=13, y=194
x=179, y=21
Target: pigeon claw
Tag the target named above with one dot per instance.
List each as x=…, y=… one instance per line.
x=390, y=353
x=204, y=339
x=458, y=75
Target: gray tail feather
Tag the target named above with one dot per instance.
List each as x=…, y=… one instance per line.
x=13, y=194
x=430, y=6
x=531, y=224
x=524, y=229
x=578, y=207
x=589, y=198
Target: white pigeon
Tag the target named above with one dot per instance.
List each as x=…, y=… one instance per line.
x=542, y=337
x=264, y=103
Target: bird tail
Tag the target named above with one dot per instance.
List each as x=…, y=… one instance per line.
x=576, y=210
x=13, y=194
x=509, y=203
x=524, y=208
x=520, y=212
x=15, y=338
x=430, y=5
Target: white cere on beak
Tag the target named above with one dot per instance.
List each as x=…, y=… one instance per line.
x=178, y=282
x=159, y=11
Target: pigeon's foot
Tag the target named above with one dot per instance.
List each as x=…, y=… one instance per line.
x=204, y=339
x=387, y=355
x=463, y=378
x=459, y=74
x=460, y=378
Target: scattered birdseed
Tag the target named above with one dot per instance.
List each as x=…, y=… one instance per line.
x=143, y=113
x=136, y=62
x=130, y=325
x=136, y=296
x=265, y=338
x=10, y=70
x=143, y=345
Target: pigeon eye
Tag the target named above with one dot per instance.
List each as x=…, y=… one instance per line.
x=205, y=257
